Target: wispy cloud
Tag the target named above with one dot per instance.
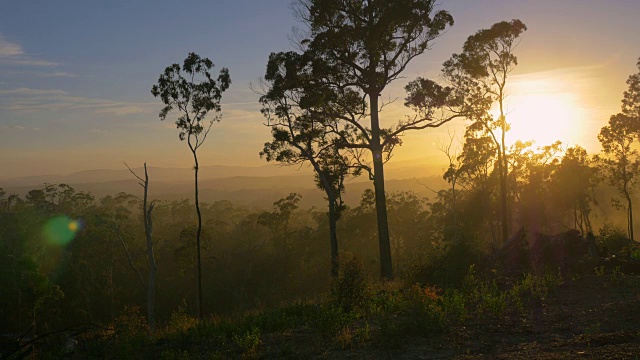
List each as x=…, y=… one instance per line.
x=57, y=74
x=33, y=92
x=4, y=128
x=97, y=131
x=12, y=53
x=9, y=49
x=33, y=100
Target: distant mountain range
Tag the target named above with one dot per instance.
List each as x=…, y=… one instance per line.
x=253, y=186
x=155, y=173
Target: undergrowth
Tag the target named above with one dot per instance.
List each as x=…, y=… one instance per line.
x=356, y=313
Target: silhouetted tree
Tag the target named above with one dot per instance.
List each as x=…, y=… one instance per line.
x=531, y=177
x=277, y=221
x=479, y=74
x=193, y=93
x=622, y=162
x=356, y=49
x=299, y=136
x=476, y=176
x=573, y=187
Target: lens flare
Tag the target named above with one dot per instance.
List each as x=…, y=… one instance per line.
x=61, y=230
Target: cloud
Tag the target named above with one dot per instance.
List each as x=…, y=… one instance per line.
x=97, y=131
x=57, y=74
x=13, y=54
x=18, y=128
x=33, y=92
x=9, y=49
x=33, y=100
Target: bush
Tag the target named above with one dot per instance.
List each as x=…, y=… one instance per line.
x=613, y=238
x=423, y=312
x=130, y=323
x=447, y=268
x=417, y=311
x=351, y=289
x=131, y=334
x=248, y=341
x=180, y=321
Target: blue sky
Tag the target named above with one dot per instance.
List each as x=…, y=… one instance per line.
x=75, y=76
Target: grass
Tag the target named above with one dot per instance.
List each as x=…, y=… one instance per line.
x=355, y=314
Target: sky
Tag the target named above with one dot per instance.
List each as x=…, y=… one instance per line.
x=75, y=76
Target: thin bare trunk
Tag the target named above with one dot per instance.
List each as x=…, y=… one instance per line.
x=198, y=233
x=148, y=231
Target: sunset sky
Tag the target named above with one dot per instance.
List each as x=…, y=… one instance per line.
x=75, y=76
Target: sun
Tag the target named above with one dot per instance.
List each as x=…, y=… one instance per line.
x=544, y=112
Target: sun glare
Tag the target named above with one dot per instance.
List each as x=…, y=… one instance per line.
x=536, y=111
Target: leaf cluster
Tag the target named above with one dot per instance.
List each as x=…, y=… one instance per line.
x=192, y=91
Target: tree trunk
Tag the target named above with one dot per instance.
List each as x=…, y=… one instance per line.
x=630, y=219
x=504, y=172
x=386, y=264
x=335, y=265
x=196, y=168
x=333, y=219
x=503, y=194
x=148, y=231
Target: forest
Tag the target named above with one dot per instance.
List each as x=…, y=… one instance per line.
x=519, y=231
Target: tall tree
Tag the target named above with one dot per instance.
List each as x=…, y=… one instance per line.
x=621, y=166
x=360, y=47
x=622, y=162
x=573, y=187
x=301, y=137
x=191, y=90
x=480, y=74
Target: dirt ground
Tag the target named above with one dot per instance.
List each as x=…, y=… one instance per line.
x=591, y=317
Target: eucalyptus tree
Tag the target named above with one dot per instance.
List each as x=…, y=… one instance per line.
x=193, y=93
x=359, y=48
x=300, y=136
x=479, y=74
x=573, y=187
x=621, y=164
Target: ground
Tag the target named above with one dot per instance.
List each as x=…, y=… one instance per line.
x=590, y=317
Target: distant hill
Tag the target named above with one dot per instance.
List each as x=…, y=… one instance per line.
x=157, y=173
x=252, y=186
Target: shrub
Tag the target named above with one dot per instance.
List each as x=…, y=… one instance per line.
x=131, y=333
x=422, y=311
x=180, y=321
x=248, y=341
x=454, y=304
x=613, y=238
x=448, y=267
x=329, y=320
x=351, y=289
x=130, y=323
